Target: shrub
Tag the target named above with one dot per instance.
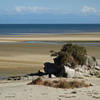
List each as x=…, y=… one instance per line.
x=73, y=54
x=59, y=83
x=63, y=84
x=37, y=81
x=54, y=53
x=78, y=84
x=51, y=51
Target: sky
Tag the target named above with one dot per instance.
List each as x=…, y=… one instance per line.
x=49, y=11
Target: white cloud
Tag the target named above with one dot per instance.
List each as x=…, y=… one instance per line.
x=87, y=9
x=37, y=9
x=33, y=9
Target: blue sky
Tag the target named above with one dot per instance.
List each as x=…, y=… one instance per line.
x=49, y=11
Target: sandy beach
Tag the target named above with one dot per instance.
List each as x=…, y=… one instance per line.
x=18, y=90
x=22, y=58
x=50, y=50
x=52, y=37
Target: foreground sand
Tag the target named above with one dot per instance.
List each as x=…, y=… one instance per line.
x=18, y=90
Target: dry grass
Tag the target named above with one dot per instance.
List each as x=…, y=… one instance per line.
x=59, y=83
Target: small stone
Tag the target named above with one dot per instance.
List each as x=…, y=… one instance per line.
x=73, y=92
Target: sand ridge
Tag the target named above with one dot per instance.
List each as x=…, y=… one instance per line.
x=52, y=37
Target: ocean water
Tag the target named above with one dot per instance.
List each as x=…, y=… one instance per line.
x=9, y=29
x=57, y=43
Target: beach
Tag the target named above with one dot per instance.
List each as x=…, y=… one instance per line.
x=17, y=90
x=18, y=57
x=52, y=37
x=50, y=50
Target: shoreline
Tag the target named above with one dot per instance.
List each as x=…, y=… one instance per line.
x=51, y=37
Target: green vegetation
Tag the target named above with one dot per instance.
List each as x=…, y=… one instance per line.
x=70, y=54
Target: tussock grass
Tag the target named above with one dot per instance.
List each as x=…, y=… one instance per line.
x=62, y=83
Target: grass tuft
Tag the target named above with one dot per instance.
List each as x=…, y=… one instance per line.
x=59, y=83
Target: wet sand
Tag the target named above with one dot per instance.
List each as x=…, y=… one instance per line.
x=52, y=37
x=21, y=58
x=18, y=59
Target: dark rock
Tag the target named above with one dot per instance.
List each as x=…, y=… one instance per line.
x=73, y=92
x=14, y=78
x=51, y=68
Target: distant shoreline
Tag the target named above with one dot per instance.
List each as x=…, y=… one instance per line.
x=52, y=37
x=68, y=33
x=17, y=29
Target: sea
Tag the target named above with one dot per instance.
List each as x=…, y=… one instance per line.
x=26, y=29
x=13, y=29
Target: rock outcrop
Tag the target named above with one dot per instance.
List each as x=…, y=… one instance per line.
x=90, y=61
x=50, y=68
x=90, y=68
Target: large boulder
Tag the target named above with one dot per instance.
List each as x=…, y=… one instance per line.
x=69, y=71
x=78, y=75
x=89, y=68
x=50, y=68
x=83, y=69
x=72, y=73
x=90, y=61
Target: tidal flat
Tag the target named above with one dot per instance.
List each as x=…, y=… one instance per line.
x=19, y=56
